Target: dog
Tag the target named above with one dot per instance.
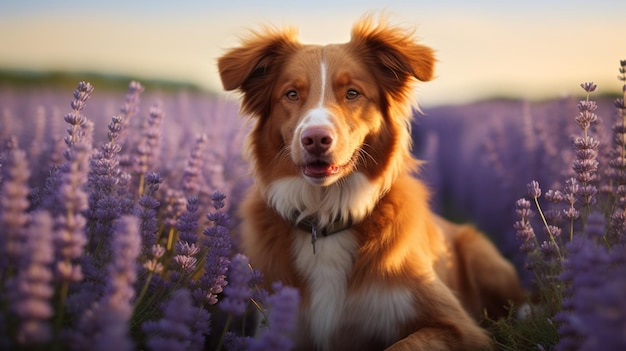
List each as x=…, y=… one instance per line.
x=336, y=209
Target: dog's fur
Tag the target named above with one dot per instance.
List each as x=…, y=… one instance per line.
x=330, y=146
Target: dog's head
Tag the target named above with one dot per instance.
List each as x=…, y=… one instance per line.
x=325, y=112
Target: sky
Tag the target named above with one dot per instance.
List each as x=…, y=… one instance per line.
x=531, y=49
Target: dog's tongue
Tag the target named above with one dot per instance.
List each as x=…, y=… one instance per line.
x=318, y=170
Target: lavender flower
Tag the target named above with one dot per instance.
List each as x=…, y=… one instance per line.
x=71, y=198
x=193, y=169
x=586, y=148
x=585, y=271
x=39, y=126
x=283, y=312
x=234, y=342
x=75, y=119
x=596, y=227
x=571, y=214
x=104, y=203
x=154, y=264
x=115, y=315
x=88, y=194
x=104, y=325
x=8, y=124
x=128, y=110
x=617, y=170
x=31, y=290
x=179, y=328
x=534, y=191
x=188, y=223
x=617, y=163
x=525, y=231
x=588, y=87
x=617, y=230
x=13, y=205
x=186, y=260
x=147, y=150
x=237, y=294
x=186, y=263
x=217, y=262
x=174, y=203
x=131, y=105
x=147, y=210
x=554, y=214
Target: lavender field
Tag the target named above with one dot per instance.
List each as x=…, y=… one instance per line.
x=117, y=217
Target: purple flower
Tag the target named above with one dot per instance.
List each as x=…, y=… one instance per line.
x=234, y=342
x=534, y=191
x=153, y=180
x=68, y=199
x=595, y=228
x=104, y=202
x=104, y=325
x=218, y=200
x=13, y=206
x=617, y=229
x=181, y=327
x=186, y=249
x=75, y=119
x=588, y=87
x=185, y=263
x=593, y=312
x=122, y=274
x=216, y=261
x=147, y=210
x=131, y=105
x=193, y=169
x=525, y=232
x=154, y=264
x=586, y=148
x=185, y=259
x=237, y=293
x=571, y=189
x=31, y=289
x=147, y=151
x=174, y=203
x=554, y=214
x=554, y=196
x=618, y=152
x=188, y=222
x=129, y=109
x=282, y=321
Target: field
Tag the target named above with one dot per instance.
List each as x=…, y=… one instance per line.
x=116, y=209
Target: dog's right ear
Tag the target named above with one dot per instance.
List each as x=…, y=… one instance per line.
x=252, y=68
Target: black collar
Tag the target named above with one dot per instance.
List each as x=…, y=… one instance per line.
x=309, y=224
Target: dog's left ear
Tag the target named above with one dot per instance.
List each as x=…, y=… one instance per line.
x=394, y=52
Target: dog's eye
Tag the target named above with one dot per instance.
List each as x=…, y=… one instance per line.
x=352, y=94
x=292, y=95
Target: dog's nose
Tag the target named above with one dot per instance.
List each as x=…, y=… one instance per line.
x=317, y=140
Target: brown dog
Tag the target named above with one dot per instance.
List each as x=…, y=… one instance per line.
x=335, y=210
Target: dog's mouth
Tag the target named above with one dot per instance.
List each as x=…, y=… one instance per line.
x=320, y=169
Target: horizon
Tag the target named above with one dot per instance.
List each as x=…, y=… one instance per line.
x=535, y=50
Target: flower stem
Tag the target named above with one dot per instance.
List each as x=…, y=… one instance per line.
x=223, y=336
x=144, y=289
x=545, y=223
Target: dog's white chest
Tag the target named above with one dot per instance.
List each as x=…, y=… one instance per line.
x=326, y=273
x=375, y=312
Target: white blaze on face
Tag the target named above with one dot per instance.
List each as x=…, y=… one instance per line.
x=318, y=116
